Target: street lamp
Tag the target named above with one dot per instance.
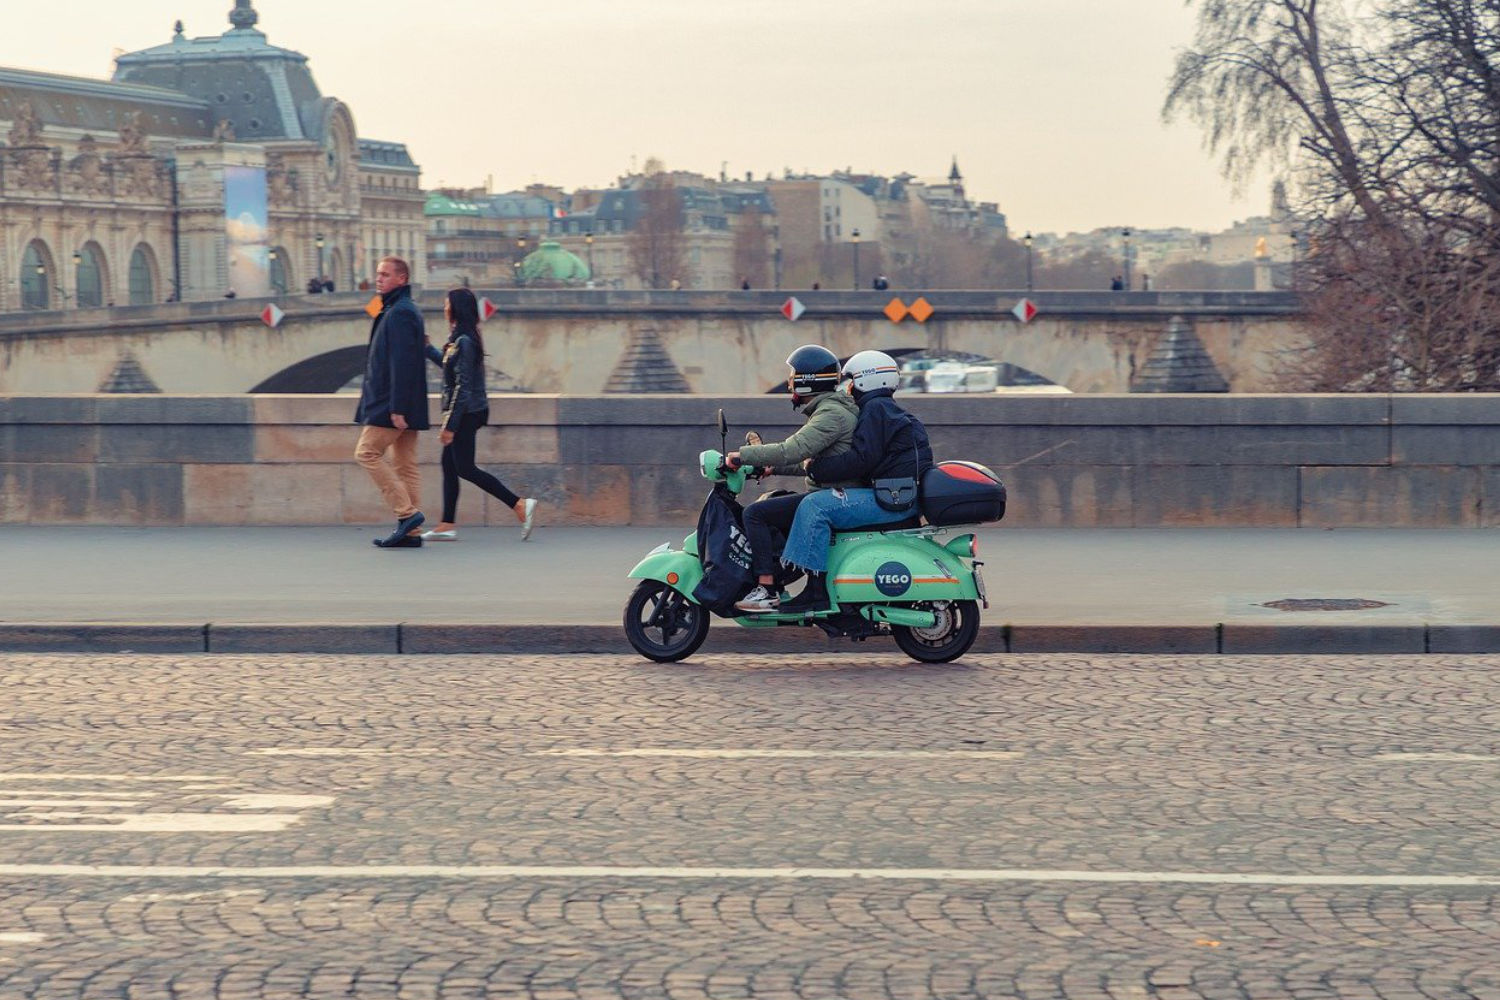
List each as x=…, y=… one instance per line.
x=1027, y=240
x=318, y=242
x=588, y=239
x=855, y=234
x=1125, y=233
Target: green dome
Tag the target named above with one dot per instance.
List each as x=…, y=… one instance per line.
x=550, y=263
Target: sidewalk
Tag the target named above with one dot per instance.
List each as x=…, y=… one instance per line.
x=327, y=589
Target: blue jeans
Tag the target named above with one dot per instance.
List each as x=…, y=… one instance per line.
x=821, y=512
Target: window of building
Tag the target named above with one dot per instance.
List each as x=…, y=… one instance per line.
x=36, y=277
x=89, y=277
x=143, y=276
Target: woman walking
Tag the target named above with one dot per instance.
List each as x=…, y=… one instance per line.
x=466, y=408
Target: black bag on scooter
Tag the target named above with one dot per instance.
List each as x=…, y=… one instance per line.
x=724, y=552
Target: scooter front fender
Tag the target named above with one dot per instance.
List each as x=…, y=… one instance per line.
x=678, y=570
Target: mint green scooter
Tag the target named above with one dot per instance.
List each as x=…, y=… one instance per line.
x=897, y=581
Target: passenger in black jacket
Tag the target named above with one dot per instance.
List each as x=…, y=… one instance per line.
x=466, y=408
x=889, y=443
x=393, y=402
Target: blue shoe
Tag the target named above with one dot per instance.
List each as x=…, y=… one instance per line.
x=398, y=542
x=410, y=523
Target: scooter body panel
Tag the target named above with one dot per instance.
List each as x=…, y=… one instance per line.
x=875, y=568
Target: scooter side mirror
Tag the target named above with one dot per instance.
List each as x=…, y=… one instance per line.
x=723, y=424
x=752, y=438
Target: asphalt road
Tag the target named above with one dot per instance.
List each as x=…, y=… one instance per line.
x=789, y=827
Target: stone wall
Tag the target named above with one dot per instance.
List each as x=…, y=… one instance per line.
x=1086, y=461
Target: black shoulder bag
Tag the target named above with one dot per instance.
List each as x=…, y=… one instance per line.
x=899, y=495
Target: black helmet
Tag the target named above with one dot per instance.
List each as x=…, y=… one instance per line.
x=814, y=369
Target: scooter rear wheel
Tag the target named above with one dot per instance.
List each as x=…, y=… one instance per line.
x=956, y=629
x=662, y=625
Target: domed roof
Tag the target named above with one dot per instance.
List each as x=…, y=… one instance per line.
x=551, y=263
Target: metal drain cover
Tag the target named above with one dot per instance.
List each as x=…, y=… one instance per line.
x=1325, y=604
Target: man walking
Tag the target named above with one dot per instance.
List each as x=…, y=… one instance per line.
x=393, y=402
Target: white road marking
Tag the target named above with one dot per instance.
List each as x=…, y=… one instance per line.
x=74, y=803
x=277, y=801
x=21, y=776
x=1446, y=758
x=339, y=752
x=836, y=874
x=710, y=753
x=60, y=794
x=20, y=937
x=753, y=754
x=156, y=822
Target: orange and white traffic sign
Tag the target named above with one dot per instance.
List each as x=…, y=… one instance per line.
x=1025, y=310
x=793, y=308
x=487, y=309
x=272, y=315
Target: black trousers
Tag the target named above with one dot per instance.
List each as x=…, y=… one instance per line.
x=766, y=525
x=458, y=463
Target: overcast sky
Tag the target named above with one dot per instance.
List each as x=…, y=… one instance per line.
x=1051, y=106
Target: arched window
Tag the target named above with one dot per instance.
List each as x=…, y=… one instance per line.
x=142, y=276
x=89, y=276
x=281, y=278
x=36, y=276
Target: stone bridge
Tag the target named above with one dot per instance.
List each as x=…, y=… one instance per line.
x=584, y=342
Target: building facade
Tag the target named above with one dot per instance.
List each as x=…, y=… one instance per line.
x=205, y=167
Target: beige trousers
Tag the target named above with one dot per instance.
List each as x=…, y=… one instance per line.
x=398, y=480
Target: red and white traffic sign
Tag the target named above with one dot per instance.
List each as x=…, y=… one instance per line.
x=272, y=315
x=487, y=309
x=1025, y=310
x=793, y=308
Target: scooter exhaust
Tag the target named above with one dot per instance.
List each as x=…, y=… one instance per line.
x=910, y=617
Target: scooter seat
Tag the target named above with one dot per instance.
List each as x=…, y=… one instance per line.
x=915, y=521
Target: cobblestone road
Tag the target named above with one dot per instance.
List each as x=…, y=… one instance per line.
x=552, y=828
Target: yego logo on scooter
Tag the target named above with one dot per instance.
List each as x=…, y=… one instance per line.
x=893, y=579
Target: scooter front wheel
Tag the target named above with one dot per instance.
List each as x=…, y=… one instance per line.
x=956, y=629
x=662, y=625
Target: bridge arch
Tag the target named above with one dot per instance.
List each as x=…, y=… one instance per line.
x=322, y=373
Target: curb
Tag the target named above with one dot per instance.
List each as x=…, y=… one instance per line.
x=459, y=638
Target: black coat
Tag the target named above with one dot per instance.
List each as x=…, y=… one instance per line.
x=889, y=443
x=395, y=366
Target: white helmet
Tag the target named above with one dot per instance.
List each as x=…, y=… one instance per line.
x=870, y=370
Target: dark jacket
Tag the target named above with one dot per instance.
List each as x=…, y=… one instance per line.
x=463, y=379
x=888, y=443
x=395, y=375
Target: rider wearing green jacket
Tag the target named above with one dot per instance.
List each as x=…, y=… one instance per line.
x=831, y=415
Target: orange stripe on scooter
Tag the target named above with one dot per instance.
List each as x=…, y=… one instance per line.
x=839, y=580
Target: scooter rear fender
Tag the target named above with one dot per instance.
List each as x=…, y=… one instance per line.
x=875, y=568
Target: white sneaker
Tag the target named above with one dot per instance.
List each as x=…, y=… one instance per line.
x=451, y=535
x=528, y=508
x=759, y=599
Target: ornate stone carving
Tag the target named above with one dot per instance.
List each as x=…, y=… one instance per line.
x=32, y=169
x=26, y=129
x=281, y=182
x=139, y=177
x=87, y=173
x=132, y=135
x=224, y=131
